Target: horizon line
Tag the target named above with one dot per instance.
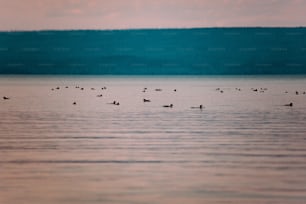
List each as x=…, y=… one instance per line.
x=152, y=28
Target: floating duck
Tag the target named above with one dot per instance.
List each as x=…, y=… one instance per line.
x=199, y=107
x=290, y=104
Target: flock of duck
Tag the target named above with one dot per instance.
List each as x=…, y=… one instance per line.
x=261, y=90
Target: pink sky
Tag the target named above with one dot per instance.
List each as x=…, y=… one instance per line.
x=113, y=14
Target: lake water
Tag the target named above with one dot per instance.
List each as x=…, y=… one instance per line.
x=243, y=147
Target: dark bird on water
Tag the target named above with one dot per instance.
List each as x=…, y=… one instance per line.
x=5, y=98
x=199, y=107
x=99, y=95
x=74, y=103
x=146, y=100
x=168, y=106
x=158, y=89
x=115, y=103
x=290, y=104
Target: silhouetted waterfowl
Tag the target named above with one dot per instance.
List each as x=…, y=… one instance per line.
x=66, y=87
x=168, y=106
x=57, y=88
x=99, y=95
x=92, y=88
x=304, y=93
x=114, y=103
x=290, y=104
x=217, y=89
x=200, y=107
x=82, y=89
x=221, y=91
x=52, y=89
x=77, y=87
x=158, y=89
x=286, y=91
x=146, y=100
x=296, y=93
x=74, y=103
x=255, y=90
x=174, y=90
x=5, y=98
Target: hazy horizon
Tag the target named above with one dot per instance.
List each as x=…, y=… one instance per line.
x=156, y=28
x=120, y=14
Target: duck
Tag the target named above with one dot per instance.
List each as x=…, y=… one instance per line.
x=5, y=98
x=100, y=95
x=74, y=103
x=199, y=107
x=290, y=104
x=158, y=89
x=114, y=103
x=146, y=100
x=168, y=106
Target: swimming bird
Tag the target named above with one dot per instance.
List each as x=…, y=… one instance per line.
x=5, y=98
x=158, y=89
x=57, y=88
x=66, y=87
x=296, y=93
x=74, y=103
x=174, y=90
x=92, y=88
x=146, y=100
x=115, y=103
x=290, y=104
x=168, y=106
x=199, y=107
x=99, y=95
x=82, y=89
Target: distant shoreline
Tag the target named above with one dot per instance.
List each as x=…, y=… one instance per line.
x=174, y=28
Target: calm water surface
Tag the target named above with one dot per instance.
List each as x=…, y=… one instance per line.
x=244, y=147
